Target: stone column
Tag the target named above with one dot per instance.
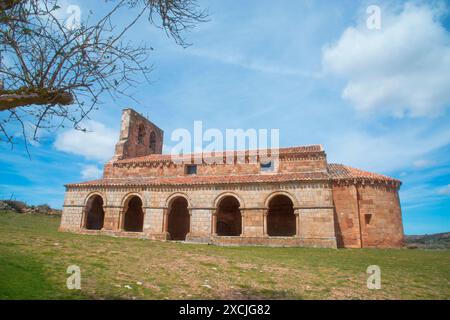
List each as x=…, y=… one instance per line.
x=214, y=223
x=297, y=222
x=190, y=222
x=243, y=213
x=120, y=219
x=83, y=218
x=265, y=214
x=165, y=225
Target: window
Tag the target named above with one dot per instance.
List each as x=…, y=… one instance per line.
x=368, y=217
x=266, y=166
x=141, y=134
x=152, y=144
x=191, y=169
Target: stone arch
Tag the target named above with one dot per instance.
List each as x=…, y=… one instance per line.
x=133, y=213
x=228, y=216
x=178, y=217
x=281, y=219
x=226, y=194
x=176, y=195
x=94, y=213
x=278, y=193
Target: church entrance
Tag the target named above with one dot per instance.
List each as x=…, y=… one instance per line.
x=134, y=215
x=281, y=220
x=178, y=219
x=229, y=221
x=95, y=215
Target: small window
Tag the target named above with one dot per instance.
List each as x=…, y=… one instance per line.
x=191, y=169
x=368, y=217
x=141, y=134
x=152, y=144
x=266, y=166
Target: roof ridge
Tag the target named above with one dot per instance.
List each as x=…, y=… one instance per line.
x=218, y=153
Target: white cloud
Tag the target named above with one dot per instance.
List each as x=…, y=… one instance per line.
x=91, y=172
x=422, y=163
x=258, y=65
x=387, y=152
x=97, y=143
x=402, y=69
x=445, y=190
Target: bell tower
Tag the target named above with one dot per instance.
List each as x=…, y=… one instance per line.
x=138, y=137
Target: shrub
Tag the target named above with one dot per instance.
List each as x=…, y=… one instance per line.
x=17, y=206
x=43, y=208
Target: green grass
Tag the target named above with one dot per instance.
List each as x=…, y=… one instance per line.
x=34, y=257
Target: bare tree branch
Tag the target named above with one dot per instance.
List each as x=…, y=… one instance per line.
x=52, y=74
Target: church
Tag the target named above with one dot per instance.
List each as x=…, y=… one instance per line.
x=297, y=199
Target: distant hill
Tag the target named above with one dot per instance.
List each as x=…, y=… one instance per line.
x=22, y=207
x=429, y=241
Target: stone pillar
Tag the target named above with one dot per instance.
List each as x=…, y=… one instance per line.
x=214, y=223
x=297, y=222
x=190, y=221
x=265, y=214
x=165, y=224
x=83, y=218
x=243, y=213
x=112, y=218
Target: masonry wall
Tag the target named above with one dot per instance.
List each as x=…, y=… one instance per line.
x=312, y=204
x=134, y=140
x=166, y=168
x=367, y=216
x=345, y=199
x=381, y=218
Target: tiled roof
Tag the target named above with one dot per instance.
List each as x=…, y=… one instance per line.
x=336, y=172
x=205, y=180
x=341, y=172
x=281, y=151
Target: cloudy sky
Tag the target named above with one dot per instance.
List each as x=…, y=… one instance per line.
x=377, y=99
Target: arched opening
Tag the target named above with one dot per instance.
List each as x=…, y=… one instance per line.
x=281, y=221
x=179, y=219
x=152, y=144
x=95, y=215
x=141, y=134
x=229, y=221
x=134, y=215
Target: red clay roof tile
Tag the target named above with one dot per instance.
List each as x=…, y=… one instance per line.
x=341, y=172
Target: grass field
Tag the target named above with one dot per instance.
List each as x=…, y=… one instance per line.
x=34, y=257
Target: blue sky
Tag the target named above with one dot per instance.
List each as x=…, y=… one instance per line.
x=376, y=99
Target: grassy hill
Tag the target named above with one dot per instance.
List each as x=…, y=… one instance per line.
x=430, y=241
x=34, y=257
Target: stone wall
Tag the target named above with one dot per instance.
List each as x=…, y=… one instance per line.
x=155, y=168
x=380, y=215
x=367, y=216
x=312, y=203
x=135, y=136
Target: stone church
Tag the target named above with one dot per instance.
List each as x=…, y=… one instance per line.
x=298, y=200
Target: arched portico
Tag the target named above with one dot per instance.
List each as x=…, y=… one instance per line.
x=280, y=218
x=132, y=219
x=94, y=214
x=178, y=217
x=228, y=217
